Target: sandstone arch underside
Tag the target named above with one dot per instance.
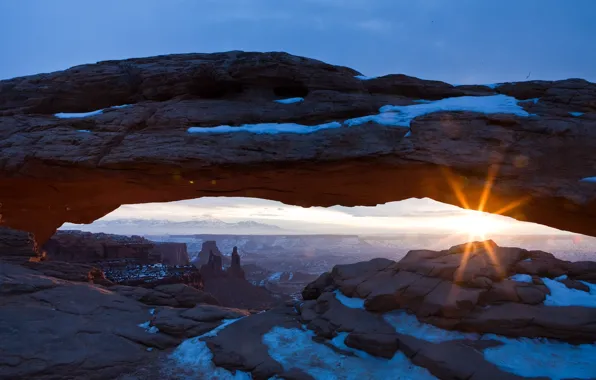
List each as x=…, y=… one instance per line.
x=77, y=168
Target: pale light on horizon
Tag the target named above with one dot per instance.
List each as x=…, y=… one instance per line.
x=408, y=216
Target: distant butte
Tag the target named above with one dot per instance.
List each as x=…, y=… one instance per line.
x=78, y=168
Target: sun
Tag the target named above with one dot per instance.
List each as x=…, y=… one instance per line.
x=477, y=225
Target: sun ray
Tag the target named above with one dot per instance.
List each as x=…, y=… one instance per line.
x=493, y=257
x=512, y=205
x=459, y=194
x=490, y=178
x=464, y=260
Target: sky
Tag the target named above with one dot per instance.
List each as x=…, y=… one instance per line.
x=457, y=41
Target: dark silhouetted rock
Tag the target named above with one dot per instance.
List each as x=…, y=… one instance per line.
x=208, y=248
x=235, y=269
x=87, y=247
x=171, y=254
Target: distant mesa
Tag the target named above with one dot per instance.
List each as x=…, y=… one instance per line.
x=208, y=248
x=137, y=226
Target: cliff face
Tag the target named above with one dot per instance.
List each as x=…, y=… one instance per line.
x=171, y=253
x=78, y=246
x=18, y=246
x=56, y=168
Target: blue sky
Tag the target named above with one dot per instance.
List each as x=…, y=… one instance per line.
x=457, y=41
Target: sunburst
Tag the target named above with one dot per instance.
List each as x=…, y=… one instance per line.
x=478, y=226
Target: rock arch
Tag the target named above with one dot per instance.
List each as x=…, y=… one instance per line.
x=77, y=169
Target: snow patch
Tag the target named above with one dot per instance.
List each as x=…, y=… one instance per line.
x=364, y=77
x=294, y=348
x=561, y=295
x=289, y=100
x=521, y=278
x=152, y=311
x=493, y=85
x=541, y=357
x=524, y=356
x=275, y=276
x=266, y=128
x=561, y=278
x=147, y=327
x=401, y=116
x=352, y=303
x=408, y=324
x=75, y=115
x=408, y=134
x=588, y=179
x=576, y=114
x=83, y=130
x=528, y=260
x=194, y=354
x=394, y=116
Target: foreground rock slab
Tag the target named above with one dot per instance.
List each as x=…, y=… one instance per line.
x=57, y=329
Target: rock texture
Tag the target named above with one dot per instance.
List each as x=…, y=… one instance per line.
x=18, y=246
x=468, y=288
x=171, y=254
x=55, y=170
x=86, y=247
x=208, y=248
x=51, y=328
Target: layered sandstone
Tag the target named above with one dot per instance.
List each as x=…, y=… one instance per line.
x=54, y=170
x=476, y=287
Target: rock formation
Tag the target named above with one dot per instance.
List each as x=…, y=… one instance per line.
x=57, y=169
x=18, y=246
x=235, y=269
x=230, y=286
x=213, y=268
x=477, y=287
x=171, y=253
x=207, y=248
x=86, y=247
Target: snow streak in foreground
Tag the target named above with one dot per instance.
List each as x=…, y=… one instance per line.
x=522, y=356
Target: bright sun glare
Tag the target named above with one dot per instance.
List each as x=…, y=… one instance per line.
x=478, y=226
